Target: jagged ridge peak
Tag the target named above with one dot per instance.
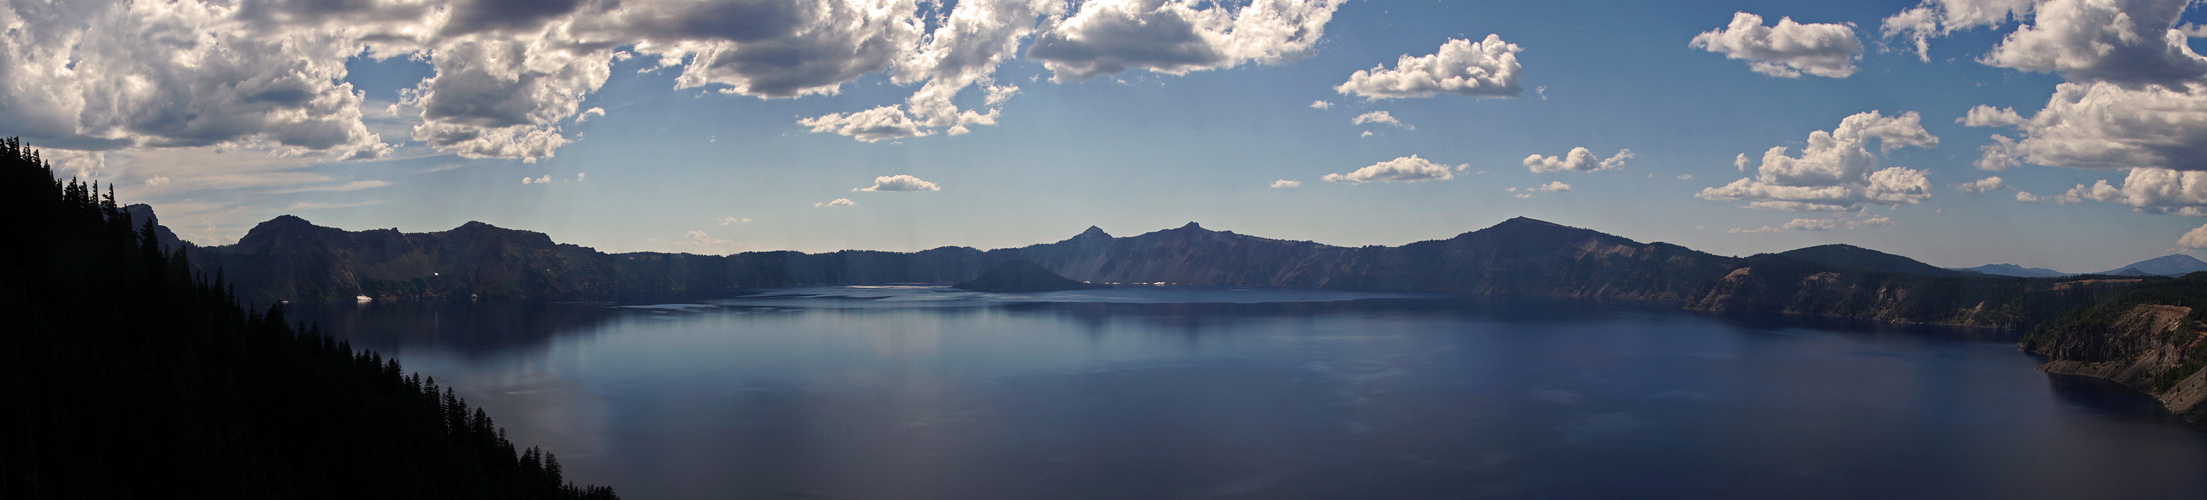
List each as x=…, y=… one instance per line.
x=1093, y=232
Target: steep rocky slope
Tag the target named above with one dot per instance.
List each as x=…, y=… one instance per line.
x=2150, y=338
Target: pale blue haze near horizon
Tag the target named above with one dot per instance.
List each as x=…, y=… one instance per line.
x=701, y=171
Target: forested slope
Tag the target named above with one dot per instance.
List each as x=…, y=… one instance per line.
x=124, y=375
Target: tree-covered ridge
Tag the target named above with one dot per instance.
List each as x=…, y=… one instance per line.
x=126, y=375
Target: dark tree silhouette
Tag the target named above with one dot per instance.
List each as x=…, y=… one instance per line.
x=124, y=375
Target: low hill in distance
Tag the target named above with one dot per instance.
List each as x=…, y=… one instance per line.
x=2013, y=270
x=2167, y=265
x=1864, y=259
x=1024, y=276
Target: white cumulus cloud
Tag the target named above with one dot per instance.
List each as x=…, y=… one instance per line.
x=1286, y=184
x=899, y=182
x=2103, y=125
x=270, y=75
x=838, y=202
x=1380, y=117
x=1405, y=169
x=1178, y=36
x=1939, y=18
x=105, y=75
x=1321, y=104
x=2194, y=239
x=2152, y=189
x=1787, y=49
x=2130, y=43
x=1981, y=186
x=1486, y=68
x=1836, y=170
x=1577, y=160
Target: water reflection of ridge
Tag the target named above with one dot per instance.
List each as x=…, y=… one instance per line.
x=475, y=329
x=1799, y=322
x=2109, y=399
x=488, y=327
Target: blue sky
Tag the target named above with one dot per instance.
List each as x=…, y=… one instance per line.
x=652, y=127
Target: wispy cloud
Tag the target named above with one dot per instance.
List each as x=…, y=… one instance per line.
x=899, y=182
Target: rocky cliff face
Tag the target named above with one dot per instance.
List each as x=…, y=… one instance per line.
x=2150, y=338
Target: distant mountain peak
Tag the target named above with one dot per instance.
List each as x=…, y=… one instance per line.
x=1833, y=246
x=2013, y=270
x=475, y=225
x=1523, y=220
x=282, y=223
x=1093, y=232
x=2173, y=259
x=2167, y=265
x=1193, y=225
x=286, y=220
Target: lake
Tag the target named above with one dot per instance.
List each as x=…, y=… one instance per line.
x=1167, y=392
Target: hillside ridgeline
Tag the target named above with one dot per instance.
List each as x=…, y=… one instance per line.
x=290, y=259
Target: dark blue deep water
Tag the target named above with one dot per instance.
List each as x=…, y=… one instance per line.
x=1168, y=393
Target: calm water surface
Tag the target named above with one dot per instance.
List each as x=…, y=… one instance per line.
x=1165, y=393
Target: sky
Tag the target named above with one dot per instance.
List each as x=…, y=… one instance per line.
x=2067, y=134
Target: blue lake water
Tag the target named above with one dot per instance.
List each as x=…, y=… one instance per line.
x=1166, y=393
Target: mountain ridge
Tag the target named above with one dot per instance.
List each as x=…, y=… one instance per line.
x=2013, y=270
x=289, y=258
x=294, y=260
